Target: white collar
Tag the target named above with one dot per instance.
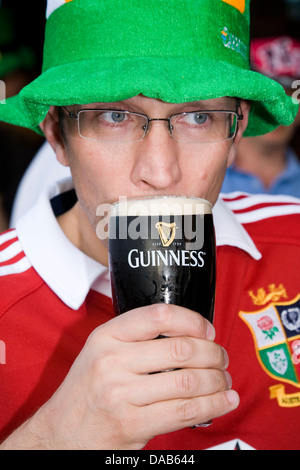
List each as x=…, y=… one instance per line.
x=69, y=272
x=230, y=232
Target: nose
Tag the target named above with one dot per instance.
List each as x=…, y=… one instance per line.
x=156, y=160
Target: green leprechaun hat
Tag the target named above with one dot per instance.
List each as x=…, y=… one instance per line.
x=175, y=50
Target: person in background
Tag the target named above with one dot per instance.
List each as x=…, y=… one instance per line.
x=267, y=164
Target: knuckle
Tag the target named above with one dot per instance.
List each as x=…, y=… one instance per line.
x=187, y=410
x=131, y=426
x=202, y=409
x=160, y=313
x=102, y=365
x=186, y=383
x=104, y=372
x=218, y=356
x=218, y=405
x=93, y=337
x=181, y=349
x=111, y=397
x=200, y=325
x=221, y=381
x=109, y=392
x=98, y=340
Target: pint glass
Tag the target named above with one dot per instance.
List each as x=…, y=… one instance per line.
x=162, y=249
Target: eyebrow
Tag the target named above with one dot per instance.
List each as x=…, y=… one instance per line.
x=217, y=103
x=223, y=103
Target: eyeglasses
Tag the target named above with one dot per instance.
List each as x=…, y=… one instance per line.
x=119, y=126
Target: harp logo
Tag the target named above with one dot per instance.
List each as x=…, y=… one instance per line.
x=166, y=232
x=238, y=4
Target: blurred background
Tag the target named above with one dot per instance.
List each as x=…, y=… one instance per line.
x=21, y=42
x=277, y=18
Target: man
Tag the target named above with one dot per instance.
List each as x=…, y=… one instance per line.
x=266, y=164
x=135, y=99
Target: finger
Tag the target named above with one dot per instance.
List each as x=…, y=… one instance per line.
x=158, y=319
x=184, y=383
x=174, y=353
x=172, y=415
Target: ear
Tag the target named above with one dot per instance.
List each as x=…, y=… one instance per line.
x=242, y=125
x=53, y=133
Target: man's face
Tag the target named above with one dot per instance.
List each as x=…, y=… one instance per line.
x=156, y=165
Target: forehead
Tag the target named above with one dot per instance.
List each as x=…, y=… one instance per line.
x=143, y=104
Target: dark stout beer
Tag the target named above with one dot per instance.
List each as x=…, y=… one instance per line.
x=163, y=250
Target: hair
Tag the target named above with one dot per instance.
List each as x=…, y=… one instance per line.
x=61, y=123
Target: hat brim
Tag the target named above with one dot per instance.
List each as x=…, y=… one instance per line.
x=174, y=80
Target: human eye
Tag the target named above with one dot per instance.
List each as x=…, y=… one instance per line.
x=113, y=117
x=197, y=118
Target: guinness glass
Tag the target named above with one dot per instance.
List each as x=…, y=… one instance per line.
x=162, y=249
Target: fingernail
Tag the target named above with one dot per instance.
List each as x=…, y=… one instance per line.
x=233, y=398
x=226, y=359
x=210, y=332
x=228, y=379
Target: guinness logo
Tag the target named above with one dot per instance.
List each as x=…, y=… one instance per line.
x=166, y=232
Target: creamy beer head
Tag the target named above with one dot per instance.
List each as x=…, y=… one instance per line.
x=172, y=217
x=161, y=205
x=162, y=249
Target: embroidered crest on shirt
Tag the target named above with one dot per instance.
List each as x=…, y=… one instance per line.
x=276, y=334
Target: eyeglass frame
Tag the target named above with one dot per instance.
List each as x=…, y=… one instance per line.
x=239, y=117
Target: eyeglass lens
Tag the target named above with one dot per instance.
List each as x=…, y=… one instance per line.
x=125, y=126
